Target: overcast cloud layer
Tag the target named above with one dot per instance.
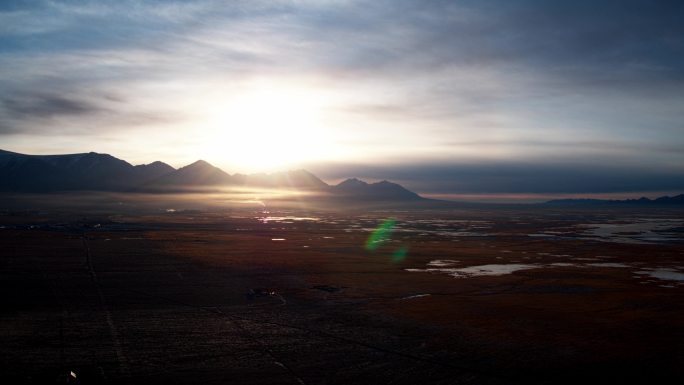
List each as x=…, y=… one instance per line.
x=446, y=96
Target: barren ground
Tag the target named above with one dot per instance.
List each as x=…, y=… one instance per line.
x=291, y=296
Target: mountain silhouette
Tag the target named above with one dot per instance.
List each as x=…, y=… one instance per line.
x=353, y=187
x=200, y=173
x=153, y=170
x=643, y=201
x=103, y=172
x=293, y=179
x=85, y=171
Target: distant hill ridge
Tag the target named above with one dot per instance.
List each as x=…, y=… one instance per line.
x=103, y=172
x=665, y=200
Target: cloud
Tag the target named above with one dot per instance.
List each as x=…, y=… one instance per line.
x=45, y=106
x=77, y=112
x=514, y=177
x=22, y=109
x=527, y=80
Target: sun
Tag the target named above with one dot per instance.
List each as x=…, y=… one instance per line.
x=266, y=128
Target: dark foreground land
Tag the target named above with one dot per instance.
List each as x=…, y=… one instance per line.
x=266, y=296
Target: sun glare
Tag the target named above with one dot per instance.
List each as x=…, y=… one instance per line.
x=266, y=129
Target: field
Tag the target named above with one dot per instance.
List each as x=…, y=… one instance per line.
x=477, y=294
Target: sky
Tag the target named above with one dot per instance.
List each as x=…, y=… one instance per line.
x=450, y=98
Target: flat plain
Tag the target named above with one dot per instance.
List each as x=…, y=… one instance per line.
x=478, y=294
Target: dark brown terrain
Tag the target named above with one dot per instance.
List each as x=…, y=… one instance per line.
x=276, y=296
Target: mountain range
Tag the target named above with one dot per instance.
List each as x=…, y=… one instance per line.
x=643, y=201
x=102, y=172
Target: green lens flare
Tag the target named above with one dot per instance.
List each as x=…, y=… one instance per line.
x=400, y=254
x=380, y=235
